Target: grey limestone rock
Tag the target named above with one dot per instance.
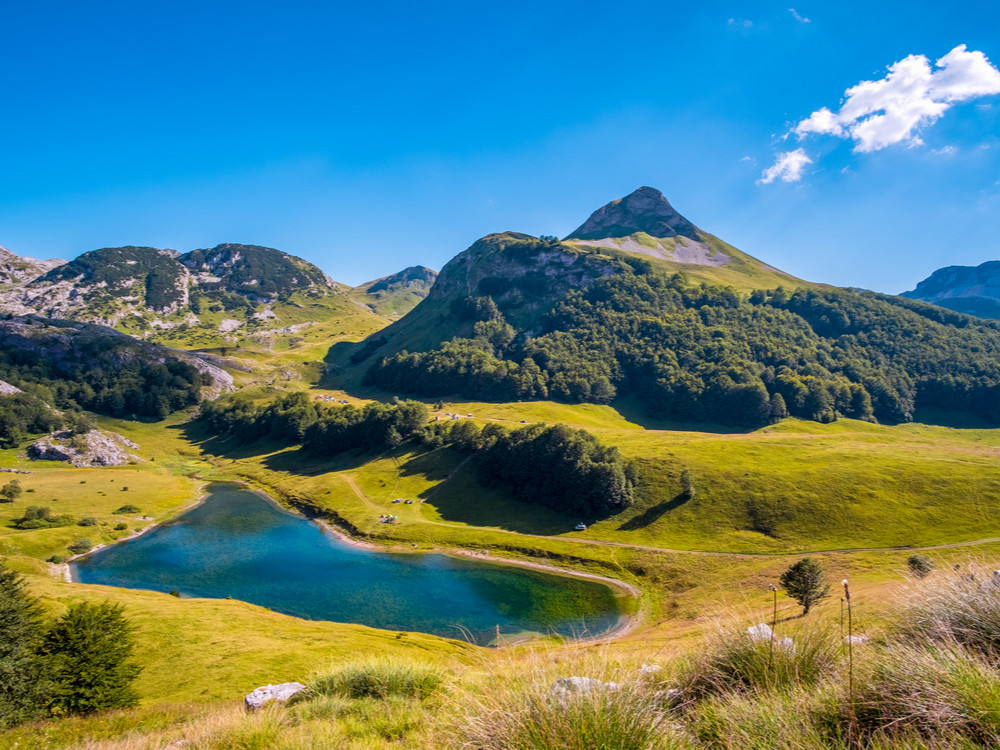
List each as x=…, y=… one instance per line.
x=268, y=693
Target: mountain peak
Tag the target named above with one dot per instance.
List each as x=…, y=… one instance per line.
x=643, y=210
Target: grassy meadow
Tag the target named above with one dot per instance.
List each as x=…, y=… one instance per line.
x=859, y=497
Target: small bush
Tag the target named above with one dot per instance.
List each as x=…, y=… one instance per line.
x=90, y=651
x=126, y=509
x=80, y=546
x=88, y=521
x=57, y=559
x=920, y=566
x=378, y=678
x=41, y=517
x=121, y=526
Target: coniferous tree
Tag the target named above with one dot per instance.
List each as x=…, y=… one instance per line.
x=805, y=583
x=90, y=648
x=23, y=683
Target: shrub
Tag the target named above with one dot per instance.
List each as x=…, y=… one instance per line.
x=56, y=559
x=41, y=517
x=378, y=678
x=121, y=526
x=919, y=565
x=90, y=649
x=80, y=546
x=88, y=521
x=126, y=509
x=11, y=491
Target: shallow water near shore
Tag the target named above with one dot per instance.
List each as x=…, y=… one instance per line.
x=237, y=544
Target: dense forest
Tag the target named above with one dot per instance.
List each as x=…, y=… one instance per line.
x=103, y=380
x=562, y=468
x=557, y=466
x=22, y=414
x=295, y=419
x=707, y=353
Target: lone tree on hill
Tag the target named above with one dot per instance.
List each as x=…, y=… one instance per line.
x=90, y=649
x=804, y=582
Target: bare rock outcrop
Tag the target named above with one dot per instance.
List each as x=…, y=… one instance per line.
x=6, y=389
x=93, y=448
x=268, y=693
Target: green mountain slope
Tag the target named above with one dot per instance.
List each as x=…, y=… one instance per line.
x=516, y=317
x=397, y=294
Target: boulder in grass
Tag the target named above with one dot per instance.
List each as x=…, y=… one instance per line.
x=268, y=693
x=570, y=687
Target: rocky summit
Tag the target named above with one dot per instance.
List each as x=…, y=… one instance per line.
x=643, y=210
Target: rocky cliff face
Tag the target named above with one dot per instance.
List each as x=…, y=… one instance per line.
x=14, y=269
x=970, y=289
x=520, y=271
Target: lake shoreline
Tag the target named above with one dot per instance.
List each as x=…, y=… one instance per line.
x=65, y=570
x=625, y=624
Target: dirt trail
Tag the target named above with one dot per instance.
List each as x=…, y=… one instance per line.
x=651, y=548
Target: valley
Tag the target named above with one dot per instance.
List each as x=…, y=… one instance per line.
x=747, y=418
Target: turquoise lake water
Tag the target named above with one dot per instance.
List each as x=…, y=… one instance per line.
x=238, y=544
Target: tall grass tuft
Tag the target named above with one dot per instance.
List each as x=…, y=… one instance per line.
x=932, y=692
x=734, y=661
x=779, y=720
x=377, y=678
x=520, y=710
x=956, y=606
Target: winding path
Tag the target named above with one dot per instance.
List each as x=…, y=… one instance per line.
x=651, y=548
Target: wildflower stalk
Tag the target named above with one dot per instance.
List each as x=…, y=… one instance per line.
x=855, y=740
x=774, y=623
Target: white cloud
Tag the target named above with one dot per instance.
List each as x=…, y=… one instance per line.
x=876, y=114
x=744, y=23
x=945, y=151
x=788, y=167
x=800, y=19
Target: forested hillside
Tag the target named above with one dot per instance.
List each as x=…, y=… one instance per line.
x=709, y=353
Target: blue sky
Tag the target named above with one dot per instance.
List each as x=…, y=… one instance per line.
x=369, y=139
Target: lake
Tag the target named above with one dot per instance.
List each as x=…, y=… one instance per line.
x=238, y=544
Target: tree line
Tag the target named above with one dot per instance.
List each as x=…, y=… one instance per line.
x=562, y=468
x=566, y=469
x=295, y=419
x=707, y=353
x=105, y=378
